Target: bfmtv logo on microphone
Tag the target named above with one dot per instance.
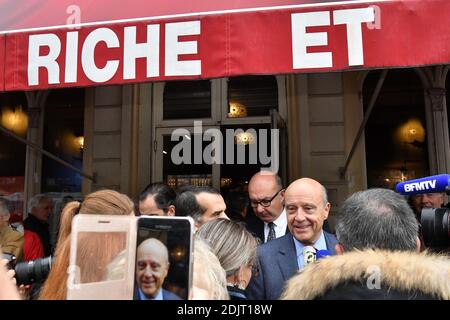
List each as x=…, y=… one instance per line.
x=432, y=184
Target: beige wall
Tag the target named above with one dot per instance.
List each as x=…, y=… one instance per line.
x=118, y=138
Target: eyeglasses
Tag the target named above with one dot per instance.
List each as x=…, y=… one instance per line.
x=264, y=202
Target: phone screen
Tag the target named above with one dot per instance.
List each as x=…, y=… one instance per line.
x=163, y=258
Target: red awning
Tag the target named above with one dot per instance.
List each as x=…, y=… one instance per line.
x=64, y=43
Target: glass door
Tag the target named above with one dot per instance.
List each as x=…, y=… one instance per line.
x=182, y=157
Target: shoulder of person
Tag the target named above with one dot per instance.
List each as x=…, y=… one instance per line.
x=275, y=244
x=13, y=234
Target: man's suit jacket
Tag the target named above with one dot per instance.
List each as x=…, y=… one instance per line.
x=278, y=263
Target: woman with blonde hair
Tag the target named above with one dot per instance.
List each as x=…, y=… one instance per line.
x=236, y=249
x=209, y=279
x=103, y=202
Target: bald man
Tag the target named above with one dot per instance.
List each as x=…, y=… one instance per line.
x=266, y=195
x=307, y=208
x=152, y=267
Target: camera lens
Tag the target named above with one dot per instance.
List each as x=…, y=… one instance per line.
x=435, y=228
x=35, y=271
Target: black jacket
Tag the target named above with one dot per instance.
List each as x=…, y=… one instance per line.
x=236, y=293
x=42, y=229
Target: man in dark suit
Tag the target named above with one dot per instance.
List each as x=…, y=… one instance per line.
x=307, y=208
x=41, y=208
x=266, y=194
x=152, y=267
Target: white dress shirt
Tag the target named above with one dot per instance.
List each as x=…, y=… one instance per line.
x=280, y=226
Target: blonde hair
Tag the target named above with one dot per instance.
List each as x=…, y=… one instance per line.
x=107, y=202
x=208, y=273
x=231, y=243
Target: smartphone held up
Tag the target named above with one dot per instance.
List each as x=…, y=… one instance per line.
x=124, y=258
x=163, y=258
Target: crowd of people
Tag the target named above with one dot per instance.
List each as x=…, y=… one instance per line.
x=263, y=241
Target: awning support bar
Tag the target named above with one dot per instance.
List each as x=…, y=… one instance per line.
x=373, y=99
x=46, y=153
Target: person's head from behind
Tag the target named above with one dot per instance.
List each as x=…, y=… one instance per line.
x=266, y=194
x=426, y=201
x=152, y=266
x=237, y=204
x=307, y=208
x=202, y=204
x=4, y=213
x=234, y=246
x=157, y=199
x=103, y=202
x=209, y=280
x=41, y=207
x=376, y=219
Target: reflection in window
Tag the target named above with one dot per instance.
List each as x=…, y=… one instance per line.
x=252, y=96
x=63, y=137
x=187, y=100
x=192, y=171
x=396, y=141
x=247, y=144
x=13, y=116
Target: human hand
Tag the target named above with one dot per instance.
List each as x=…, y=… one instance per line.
x=10, y=272
x=8, y=289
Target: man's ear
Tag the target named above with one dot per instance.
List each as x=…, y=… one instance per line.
x=327, y=211
x=282, y=192
x=418, y=244
x=339, y=249
x=171, y=210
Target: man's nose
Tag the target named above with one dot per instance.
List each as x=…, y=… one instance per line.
x=259, y=208
x=223, y=215
x=148, y=272
x=300, y=215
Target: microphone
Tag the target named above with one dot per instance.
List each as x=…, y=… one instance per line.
x=309, y=255
x=432, y=184
x=322, y=254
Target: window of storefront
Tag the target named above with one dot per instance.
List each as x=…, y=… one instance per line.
x=239, y=111
x=396, y=133
x=14, y=117
x=63, y=137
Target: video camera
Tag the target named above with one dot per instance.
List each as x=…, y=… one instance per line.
x=435, y=221
x=29, y=272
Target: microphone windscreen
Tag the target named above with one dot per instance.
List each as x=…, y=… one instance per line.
x=432, y=184
x=322, y=254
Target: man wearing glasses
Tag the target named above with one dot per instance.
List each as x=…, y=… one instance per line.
x=266, y=195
